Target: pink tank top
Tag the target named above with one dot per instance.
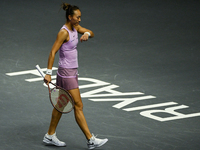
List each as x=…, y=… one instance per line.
x=68, y=54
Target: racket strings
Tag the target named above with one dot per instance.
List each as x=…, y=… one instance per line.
x=61, y=100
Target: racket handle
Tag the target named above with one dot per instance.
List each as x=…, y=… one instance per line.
x=40, y=71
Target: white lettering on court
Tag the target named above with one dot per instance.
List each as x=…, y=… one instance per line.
x=169, y=110
x=105, y=89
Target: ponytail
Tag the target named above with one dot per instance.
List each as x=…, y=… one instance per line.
x=69, y=9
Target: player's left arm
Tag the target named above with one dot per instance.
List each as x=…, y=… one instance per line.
x=84, y=33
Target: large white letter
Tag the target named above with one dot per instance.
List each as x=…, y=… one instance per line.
x=34, y=72
x=95, y=83
x=169, y=110
x=108, y=89
x=149, y=106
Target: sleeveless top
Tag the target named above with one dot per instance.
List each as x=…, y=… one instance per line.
x=68, y=54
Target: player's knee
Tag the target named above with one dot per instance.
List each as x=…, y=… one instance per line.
x=79, y=106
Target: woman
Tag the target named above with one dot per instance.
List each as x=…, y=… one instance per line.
x=66, y=43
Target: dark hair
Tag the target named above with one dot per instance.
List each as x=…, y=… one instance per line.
x=69, y=9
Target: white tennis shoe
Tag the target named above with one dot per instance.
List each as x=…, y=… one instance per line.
x=53, y=140
x=95, y=142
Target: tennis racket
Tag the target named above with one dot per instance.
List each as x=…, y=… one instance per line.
x=61, y=99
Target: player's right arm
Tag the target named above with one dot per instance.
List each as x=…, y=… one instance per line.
x=61, y=38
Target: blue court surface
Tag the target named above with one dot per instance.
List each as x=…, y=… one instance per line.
x=139, y=76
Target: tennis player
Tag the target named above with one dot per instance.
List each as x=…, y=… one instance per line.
x=67, y=74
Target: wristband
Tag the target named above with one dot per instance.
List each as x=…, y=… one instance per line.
x=88, y=33
x=49, y=72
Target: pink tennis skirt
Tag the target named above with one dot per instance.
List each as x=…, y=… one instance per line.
x=67, y=78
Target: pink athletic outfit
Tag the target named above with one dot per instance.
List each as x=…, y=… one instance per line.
x=67, y=74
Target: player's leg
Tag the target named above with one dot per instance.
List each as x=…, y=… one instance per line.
x=81, y=121
x=50, y=137
x=78, y=111
x=55, y=118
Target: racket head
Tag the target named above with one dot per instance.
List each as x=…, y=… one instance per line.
x=61, y=99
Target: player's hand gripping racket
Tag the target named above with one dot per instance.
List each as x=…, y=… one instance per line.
x=59, y=97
